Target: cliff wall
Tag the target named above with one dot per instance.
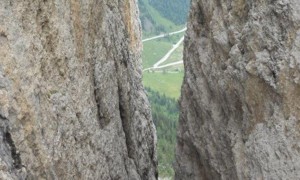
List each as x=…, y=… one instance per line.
x=240, y=104
x=72, y=105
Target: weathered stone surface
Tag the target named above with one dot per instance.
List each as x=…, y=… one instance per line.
x=240, y=100
x=72, y=105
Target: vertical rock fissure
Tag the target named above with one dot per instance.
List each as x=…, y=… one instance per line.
x=125, y=112
x=7, y=138
x=126, y=126
x=14, y=153
x=101, y=124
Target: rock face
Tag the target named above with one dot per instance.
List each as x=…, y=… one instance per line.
x=240, y=105
x=72, y=105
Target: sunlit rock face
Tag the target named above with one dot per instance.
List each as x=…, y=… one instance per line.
x=240, y=104
x=72, y=105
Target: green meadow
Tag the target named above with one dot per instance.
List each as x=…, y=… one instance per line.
x=164, y=82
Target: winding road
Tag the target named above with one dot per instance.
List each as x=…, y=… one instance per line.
x=164, y=35
x=166, y=65
x=169, y=53
x=166, y=57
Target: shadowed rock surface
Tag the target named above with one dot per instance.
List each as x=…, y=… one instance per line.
x=240, y=104
x=72, y=105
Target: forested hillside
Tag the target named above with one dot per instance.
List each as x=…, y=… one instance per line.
x=165, y=117
x=174, y=10
x=161, y=16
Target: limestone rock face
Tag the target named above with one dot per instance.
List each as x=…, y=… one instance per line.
x=72, y=105
x=240, y=104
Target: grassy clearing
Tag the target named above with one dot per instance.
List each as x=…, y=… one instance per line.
x=177, y=55
x=165, y=83
x=154, y=51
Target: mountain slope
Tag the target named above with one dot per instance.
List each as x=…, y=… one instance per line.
x=173, y=10
x=158, y=19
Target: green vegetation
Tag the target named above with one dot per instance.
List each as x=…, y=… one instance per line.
x=173, y=69
x=175, y=56
x=156, y=49
x=163, y=86
x=165, y=115
x=174, y=38
x=174, y=10
x=164, y=82
x=153, y=22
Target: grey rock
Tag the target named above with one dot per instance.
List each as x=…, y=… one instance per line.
x=240, y=104
x=72, y=105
